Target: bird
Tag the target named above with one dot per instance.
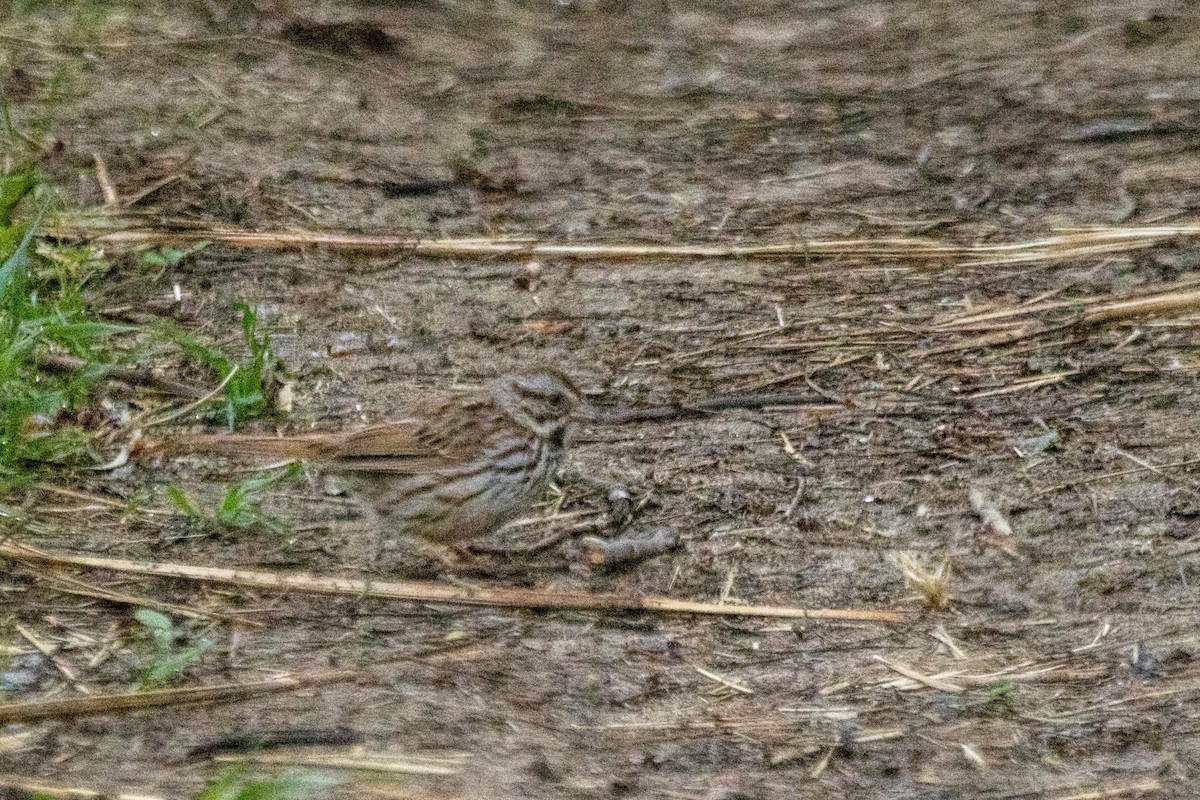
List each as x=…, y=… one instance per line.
x=451, y=469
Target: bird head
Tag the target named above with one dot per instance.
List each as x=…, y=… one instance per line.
x=543, y=401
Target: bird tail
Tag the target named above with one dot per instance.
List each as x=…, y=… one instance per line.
x=253, y=446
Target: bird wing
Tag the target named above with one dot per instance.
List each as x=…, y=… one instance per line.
x=403, y=447
x=407, y=446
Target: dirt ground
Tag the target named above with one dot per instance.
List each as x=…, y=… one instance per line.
x=1069, y=653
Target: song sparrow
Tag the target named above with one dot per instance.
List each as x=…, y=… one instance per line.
x=456, y=469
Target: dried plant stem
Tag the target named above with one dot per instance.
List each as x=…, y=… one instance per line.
x=23, y=786
x=442, y=593
x=136, y=701
x=1064, y=245
x=412, y=765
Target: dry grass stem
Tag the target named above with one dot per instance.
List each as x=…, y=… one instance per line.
x=443, y=593
x=373, y=762
x=1055, y=673
x=1072, y=244
x=945, y=638
x=71, y=585
x=106, y=185
x=190, y=407
x=933, y=682
x=1101, y=792
x=159, y=698
x=989, y=512
x=51, y=653
x=973, y=756
x=820, y=767
x=1025, y=384
x=725, y=682
x=934, y=585
x=1084, y=480
x=22, y=786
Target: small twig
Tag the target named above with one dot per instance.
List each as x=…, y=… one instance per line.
x=1140, y=788
x=828, y=395
x=1116, y=474
x=106, y=187
x=797, y=498
x=840, y=360
x=70, y=585
x=262, y=740
x=1025, y=384
x=721, y=679
x=409, y=765
x=173, y=415
x=151, y=188
x=1028, y=330
x=944, y=637
x=143, y=376
x=1144, y=464
x=223, y=693
x=547, y=541
x=1177, y=301
x=702, y=408
x=992, y=516
x=60, y=663
x=820, y=767
x=78, y=495
x=928, y=680
x=136, y=701
x=598, y=552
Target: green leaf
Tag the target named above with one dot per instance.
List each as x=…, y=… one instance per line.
x=184, y=502
x=225, y=787
x=167, y=665
x=193, y=348
x=170, y=256
x=154, y=620
x=15, y=187
x=159, y=625
x=14, y=276
x=291, y=784
x=167, y=660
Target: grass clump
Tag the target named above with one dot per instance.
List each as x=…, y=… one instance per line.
x=933, y=584
x=241, y=506
x=162, y=258
x=1001, y=698
x=167, y=658
x=42, y=308
x=51, y=416
x=248, y=384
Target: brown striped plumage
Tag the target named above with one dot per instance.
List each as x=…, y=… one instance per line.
x=456, y=469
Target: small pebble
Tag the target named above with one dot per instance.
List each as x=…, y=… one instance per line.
x=347, y=344
x=620, y=506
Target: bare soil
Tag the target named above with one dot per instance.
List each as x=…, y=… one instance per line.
x=1071, y=644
